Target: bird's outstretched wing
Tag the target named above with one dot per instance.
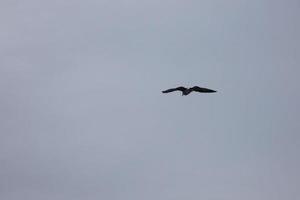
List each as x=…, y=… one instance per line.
x=203, y=90
x=174, y=89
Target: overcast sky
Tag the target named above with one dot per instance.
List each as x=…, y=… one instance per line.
x=82, y=116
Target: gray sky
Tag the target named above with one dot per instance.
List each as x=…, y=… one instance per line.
x=82, y=115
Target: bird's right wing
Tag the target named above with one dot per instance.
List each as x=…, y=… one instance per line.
x=174, y=89
x=204, y=90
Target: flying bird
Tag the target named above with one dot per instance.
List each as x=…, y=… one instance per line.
x=186, y=91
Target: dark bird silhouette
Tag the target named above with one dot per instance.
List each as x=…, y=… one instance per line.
x=186, y=91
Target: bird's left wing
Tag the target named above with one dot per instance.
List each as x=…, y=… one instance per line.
x=174, y=89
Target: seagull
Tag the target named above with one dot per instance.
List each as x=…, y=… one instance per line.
x=186, y=91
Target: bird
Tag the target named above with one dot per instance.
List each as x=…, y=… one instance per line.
x=185, y=91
